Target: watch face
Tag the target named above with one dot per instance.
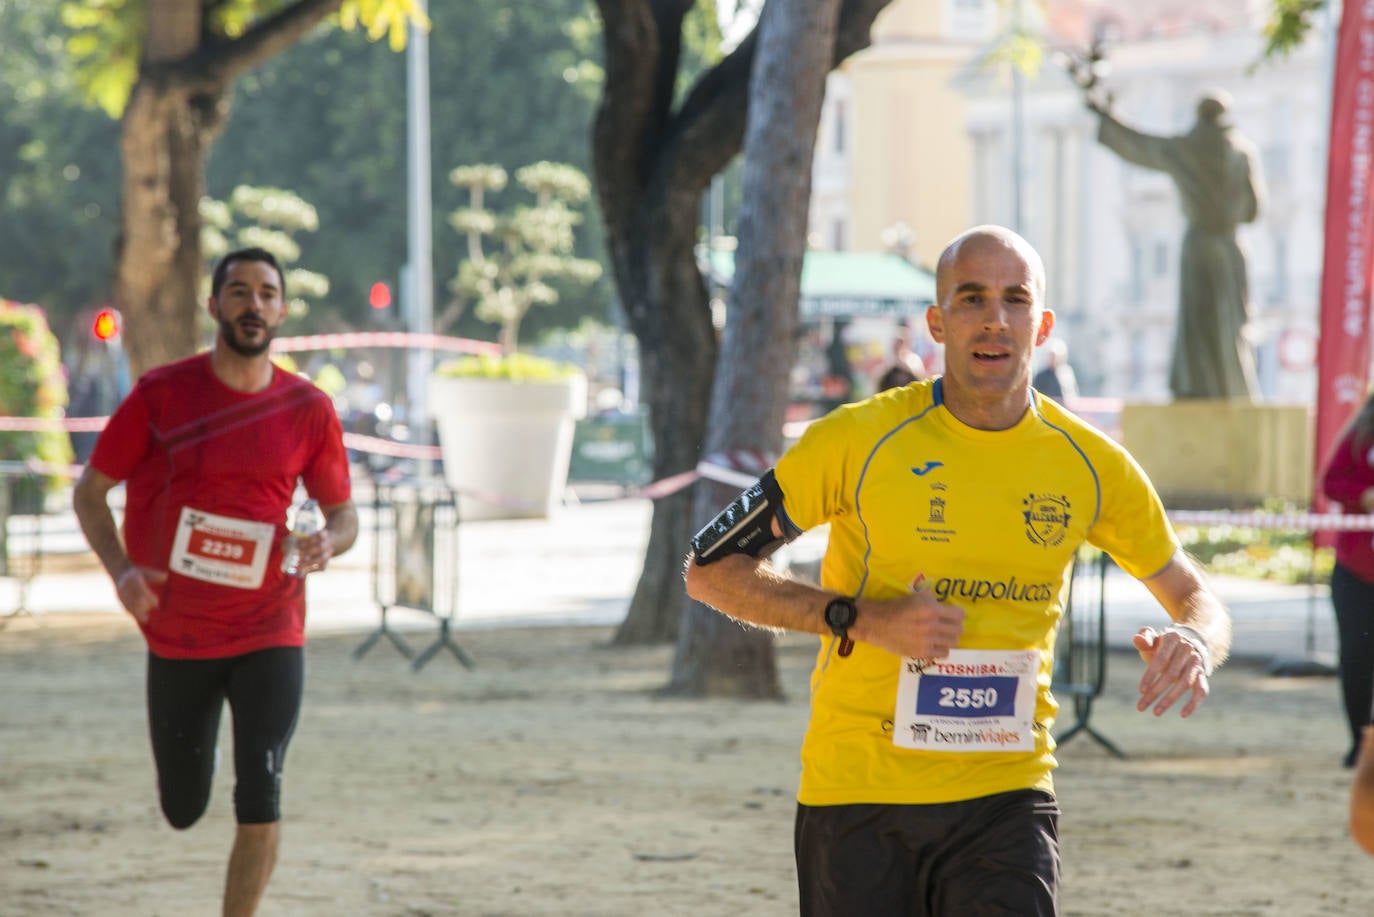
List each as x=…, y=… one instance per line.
x=839, y=614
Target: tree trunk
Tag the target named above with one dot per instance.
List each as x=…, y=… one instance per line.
x=175, y=112
x=797, y=37
x=652, y=164
x=676, y=380
x=651, y=169
x=165, y=137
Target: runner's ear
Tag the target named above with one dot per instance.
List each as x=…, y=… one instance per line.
x=1046, y=324
x=935, y=322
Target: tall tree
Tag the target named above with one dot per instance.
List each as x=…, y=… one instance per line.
x=512, y=83
x=653, y=159
x=58, y=181
x=509, y=83
x=168, y=66
x=716, y=656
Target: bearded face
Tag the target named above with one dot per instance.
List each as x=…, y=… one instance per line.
x=249, y=308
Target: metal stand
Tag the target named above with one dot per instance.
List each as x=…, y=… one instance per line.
x=1080, y=666
x=383, y=630
x=415, y=563
x=21, y=567
x=443, y=641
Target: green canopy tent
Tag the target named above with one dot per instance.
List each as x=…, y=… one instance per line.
x=840, y=289
x=847, y=284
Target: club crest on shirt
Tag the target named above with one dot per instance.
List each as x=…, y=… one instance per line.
x=1047, y=518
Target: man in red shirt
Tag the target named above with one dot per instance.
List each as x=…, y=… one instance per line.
x=211, y=449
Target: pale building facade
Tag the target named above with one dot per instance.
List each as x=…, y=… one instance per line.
x=1110, y=232
x=892, y=169
x=919, y=139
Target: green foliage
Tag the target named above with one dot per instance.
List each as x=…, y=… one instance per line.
x=31, y=385
x=516, y=367
x=1022, y=50
x=1288, y=24
x=509, y=83
x=59, y=172
x=701, y=43
x=1269, y=554
x=107, y=36
x=534, y=244
x=330, y=380
x=1022, y=44
x=383, y=17
x=105, y=43
x=513, y=83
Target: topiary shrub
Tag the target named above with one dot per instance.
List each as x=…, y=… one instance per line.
x=515, y=367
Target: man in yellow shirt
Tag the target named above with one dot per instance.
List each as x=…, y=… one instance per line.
x=955, y=507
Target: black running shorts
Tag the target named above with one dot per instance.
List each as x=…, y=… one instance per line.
x=185, y=699
x=996, y=855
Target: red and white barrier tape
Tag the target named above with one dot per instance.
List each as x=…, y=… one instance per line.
x=740, y=468
x=296, y=344
x=712, y=471
x=69, y=424
x=662, y=488
x=360, y=443
x=349, y=339
x=1311, y=522
x=34, y=466
x=752, y=461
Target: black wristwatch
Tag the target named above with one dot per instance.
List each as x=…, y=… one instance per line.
x=840, y=615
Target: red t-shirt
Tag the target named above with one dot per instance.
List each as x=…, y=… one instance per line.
x=1349, y=472
x=191, y=449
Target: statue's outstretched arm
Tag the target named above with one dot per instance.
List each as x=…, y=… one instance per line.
x=1145, y=150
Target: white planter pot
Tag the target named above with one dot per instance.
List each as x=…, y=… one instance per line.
x=506, y=445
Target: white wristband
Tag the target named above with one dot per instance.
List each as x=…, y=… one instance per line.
x=1199, y=642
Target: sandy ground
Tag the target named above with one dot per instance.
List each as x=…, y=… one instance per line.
x=553, y=780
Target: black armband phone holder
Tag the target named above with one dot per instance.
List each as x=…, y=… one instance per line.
x=746, y=525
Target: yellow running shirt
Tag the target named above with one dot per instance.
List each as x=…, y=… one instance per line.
x=991, y=519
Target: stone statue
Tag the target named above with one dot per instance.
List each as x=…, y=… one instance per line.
x=1216, y=171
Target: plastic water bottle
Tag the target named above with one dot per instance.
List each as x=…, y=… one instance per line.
x=307, y=522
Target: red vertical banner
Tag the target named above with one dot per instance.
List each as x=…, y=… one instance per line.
x=1343, y=350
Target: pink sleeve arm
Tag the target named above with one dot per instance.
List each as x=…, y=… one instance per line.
x=1347, y=475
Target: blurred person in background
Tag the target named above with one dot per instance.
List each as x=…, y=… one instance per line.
x=904, y=366
x=1057, y=379
x=1348, y=479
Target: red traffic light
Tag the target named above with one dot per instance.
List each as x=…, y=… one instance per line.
x=106, y=325
x=379, y=297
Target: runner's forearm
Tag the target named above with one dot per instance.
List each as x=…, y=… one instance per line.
x=342, y=523
x=755, y=593
x=98, y=525
x=1203, y=612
